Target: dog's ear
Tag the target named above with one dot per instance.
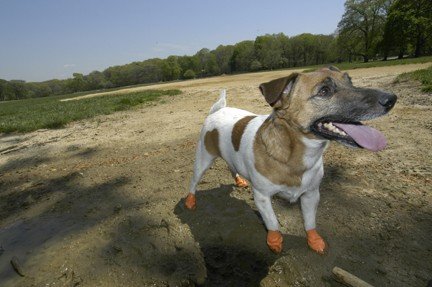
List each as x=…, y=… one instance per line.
x=273, y=90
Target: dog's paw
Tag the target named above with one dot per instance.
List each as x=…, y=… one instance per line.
x=274, y=241
x=190, y=201
x=315, y=241
x=241, y=182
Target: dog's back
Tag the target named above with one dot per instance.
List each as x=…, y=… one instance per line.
x=225, y=123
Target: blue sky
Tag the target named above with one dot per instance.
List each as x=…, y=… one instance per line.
x=46, y=39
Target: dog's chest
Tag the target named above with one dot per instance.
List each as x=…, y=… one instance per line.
x=310, y=179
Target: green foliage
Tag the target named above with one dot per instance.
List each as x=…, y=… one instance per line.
x=361, y=27
x=424, y=76
x=385, y=27
x=268, y=50
x=189, y=74
x=408, y=27
x=223, y=55
x=171, y=69
x=255, y=65
x=242, y=57
x=49, y=112
x=206, y=63
x=371, y=64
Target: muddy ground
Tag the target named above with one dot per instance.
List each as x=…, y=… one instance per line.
x=100, y=203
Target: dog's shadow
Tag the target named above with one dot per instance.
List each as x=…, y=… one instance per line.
x=232, y=238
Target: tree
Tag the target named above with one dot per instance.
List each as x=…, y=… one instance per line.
x=304, y=49
x=37, y=90
x=171, y=69
x=151, y=71
x=189, y=74
x=6, y=92
x=268, y=51
x=19, y=89
x=223, y=55
x=348, y=45
x=307, y=49
x=187, y=63
x=255, y=65
x=363, y=22
x=409, y=23
x=207, y=64
x=242, y=56
x=77, y=83
x=95, y=80
x=325, y=49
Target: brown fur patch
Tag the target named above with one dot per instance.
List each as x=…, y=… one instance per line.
x=211, y=142
x=279, y=151
x=238, y=130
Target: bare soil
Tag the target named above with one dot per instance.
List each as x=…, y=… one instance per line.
x=100, y=202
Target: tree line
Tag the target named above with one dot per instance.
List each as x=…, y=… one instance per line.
x=378, y=29
x=368, y=30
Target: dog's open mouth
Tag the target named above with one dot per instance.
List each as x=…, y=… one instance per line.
x=353, y=134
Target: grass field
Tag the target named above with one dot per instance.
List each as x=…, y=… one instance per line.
x=372, y=64
x=32, y=114
x=424, y=76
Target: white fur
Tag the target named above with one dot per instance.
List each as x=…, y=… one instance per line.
x=243, y=162
x=221, y=103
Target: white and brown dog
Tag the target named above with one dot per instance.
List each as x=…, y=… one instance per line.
x=281, y=153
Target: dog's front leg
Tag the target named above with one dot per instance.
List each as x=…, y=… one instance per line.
x=309, y=205
x=274, y=237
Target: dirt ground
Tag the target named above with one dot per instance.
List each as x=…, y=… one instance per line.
x=100, y=202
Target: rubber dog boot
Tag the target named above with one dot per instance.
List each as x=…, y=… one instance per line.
x=274, y=241
x=315, y=241
x=240, y=181
x=190, y=201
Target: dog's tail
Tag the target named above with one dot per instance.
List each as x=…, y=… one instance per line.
x=221, y=103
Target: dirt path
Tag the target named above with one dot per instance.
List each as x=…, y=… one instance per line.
x=99, y=203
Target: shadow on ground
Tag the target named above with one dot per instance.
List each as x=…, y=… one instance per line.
x=61, y=217
x=231, y=237
x=39, y=211
x=124, y=225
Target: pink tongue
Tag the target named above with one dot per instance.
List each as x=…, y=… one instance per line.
x=364, y=136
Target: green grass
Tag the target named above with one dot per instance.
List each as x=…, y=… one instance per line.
x=372, y=64
x=424, y=76
x=50, y=113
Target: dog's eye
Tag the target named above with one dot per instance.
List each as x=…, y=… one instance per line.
x=324, y=91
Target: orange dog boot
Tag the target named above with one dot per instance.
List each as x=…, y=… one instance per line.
x=315, y=241
x=190, y=201
x=274, y=241
x=240, y=181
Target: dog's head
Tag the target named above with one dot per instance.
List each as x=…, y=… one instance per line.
x=325, y=104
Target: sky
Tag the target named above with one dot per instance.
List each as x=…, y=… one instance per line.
x=47, y=39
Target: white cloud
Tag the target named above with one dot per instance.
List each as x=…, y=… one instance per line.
x=69, y=65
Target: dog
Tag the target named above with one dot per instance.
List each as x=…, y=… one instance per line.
x=282, y=153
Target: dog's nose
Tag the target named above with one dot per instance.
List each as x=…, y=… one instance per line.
x=388, y=100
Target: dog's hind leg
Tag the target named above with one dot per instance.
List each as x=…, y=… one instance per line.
x=239, y=181
x=203, y=160
x=274, y=237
